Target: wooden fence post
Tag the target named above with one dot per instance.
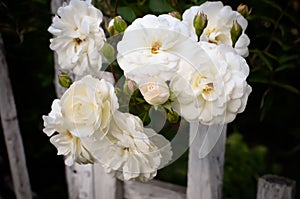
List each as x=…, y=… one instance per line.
x=205, y=174
x=275, y=187
x=12, y=133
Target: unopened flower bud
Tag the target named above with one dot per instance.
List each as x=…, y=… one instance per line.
x=200, y=23
x=172, y=117
x=119, y=24
x=176, y=14
x=155, y=92
x=111, y=28
x=235, y=32
x=129, y=86
x=244, y=10
x=65, y=80
x=108, y=52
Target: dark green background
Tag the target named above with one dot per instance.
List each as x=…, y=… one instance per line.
x=264, y=139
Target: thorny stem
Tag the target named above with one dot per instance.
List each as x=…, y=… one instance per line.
x=275, y=28
x=112, y=70
x=271, y=35
x=175, y=5
x=108, y=6
x=116, y=8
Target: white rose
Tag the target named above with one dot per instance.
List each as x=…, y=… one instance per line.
x=88, y=105
x=213, y=93
x=78, y=37
x=68, y=145
x=152, y=46
x=155, y=92
x=131, y=152
x=54, y=122
x=220, y=21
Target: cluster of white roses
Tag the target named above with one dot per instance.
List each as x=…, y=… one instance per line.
x=206, y=72
x=203, y=70
x=90, y=129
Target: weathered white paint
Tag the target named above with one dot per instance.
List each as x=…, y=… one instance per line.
x=105, y=185
x=80, y=181
x=275, y=187
x=153, y=190
x=205, y=173
x=91, y=182
x=12, y=133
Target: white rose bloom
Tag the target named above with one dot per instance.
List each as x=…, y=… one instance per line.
x=220, y=21
x=155, y=91
x=131, y=152
x=67, y=144
x=78, y=37
x=215, y=92
x=88, y=105
x=152, y=46
x=54, y=122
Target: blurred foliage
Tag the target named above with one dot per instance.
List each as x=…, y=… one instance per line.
x=264, y=139
x=244, y=166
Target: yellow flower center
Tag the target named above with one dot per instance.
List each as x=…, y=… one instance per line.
x=125, y=148
x=208, y=32
x=155, y=47
x=70, y=135
x=151, y=87
x=77, y=41
x=208, y=87
x=205, y=87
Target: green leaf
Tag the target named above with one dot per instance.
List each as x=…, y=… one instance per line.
x=160, y=6
x=108, y=52
x=127, y=13
x=292, y=18
x=286, y=87
x=144, y=116
x=273, y=4
x=266, y=104
x=285, y=67
x=270, y=55
x=258, y=79
x=263, y=57
x=263, y=18
x=281, y=43
x=284, y=59
x=168, y=106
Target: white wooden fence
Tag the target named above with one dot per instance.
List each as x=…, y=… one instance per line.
x=205, y=170
x=11, y=131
